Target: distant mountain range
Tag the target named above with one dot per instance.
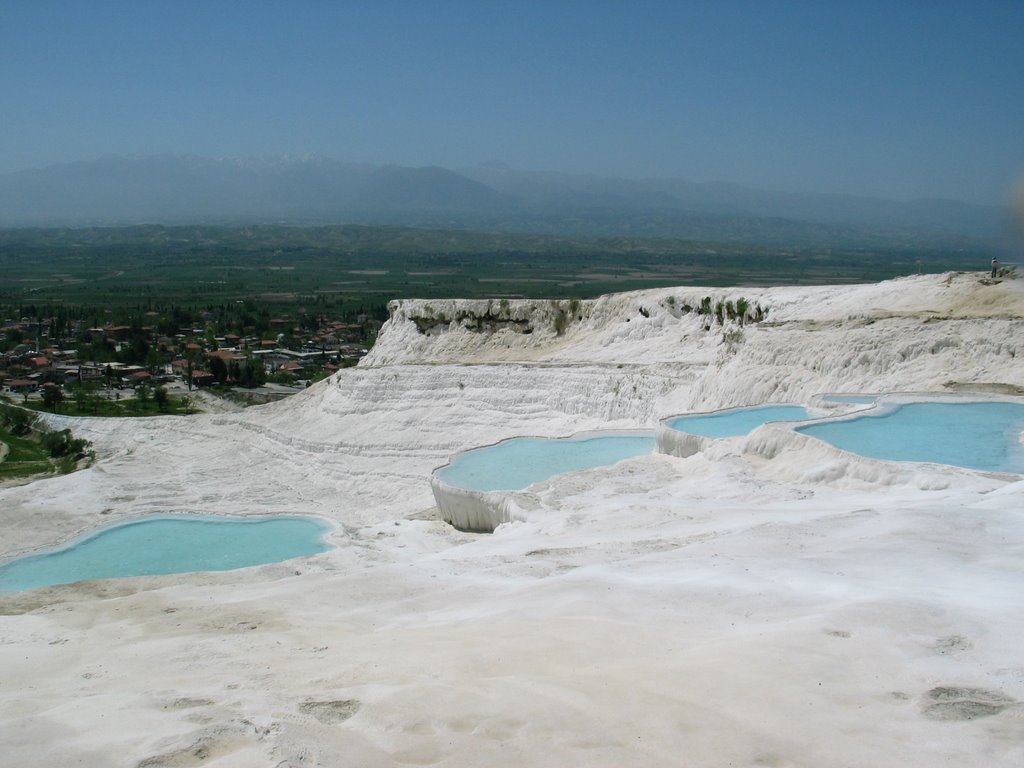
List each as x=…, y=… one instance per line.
x=170, y=189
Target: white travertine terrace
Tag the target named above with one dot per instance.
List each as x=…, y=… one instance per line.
x=470, y=510
x=766, y=601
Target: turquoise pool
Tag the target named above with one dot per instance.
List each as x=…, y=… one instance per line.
x=736, y=422
x=977, y=435
x=522, y=461
x=168, y=545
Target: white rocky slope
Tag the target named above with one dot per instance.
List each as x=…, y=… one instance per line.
x=773, y=602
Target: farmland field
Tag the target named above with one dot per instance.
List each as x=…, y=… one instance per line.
x=344, y=268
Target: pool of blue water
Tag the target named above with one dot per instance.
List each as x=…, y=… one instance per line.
x=980, y=435
x=168, y=545
x=739, y=421
x=851, y=399
x=522, y=461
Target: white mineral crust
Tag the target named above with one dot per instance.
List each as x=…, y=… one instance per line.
x=769, y=601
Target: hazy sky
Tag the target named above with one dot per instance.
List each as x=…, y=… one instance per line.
x=900, y=99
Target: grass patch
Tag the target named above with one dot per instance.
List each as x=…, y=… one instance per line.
x=122, y=408
x=25, y=457
x=22, y=448
x=31, y=448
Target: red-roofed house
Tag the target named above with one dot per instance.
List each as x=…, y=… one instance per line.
x=202, y=378
x=227, y=355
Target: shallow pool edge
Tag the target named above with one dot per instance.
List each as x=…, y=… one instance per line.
x=84, y=534
x=483, y=511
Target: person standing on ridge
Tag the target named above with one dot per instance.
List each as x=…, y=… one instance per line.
x=995, y=266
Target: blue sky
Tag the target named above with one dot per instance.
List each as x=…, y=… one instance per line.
x=897, y=99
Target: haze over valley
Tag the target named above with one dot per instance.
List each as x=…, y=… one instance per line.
x=172, y=189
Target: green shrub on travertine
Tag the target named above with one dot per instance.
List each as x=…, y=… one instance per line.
x=742, y=307
x=61, y=444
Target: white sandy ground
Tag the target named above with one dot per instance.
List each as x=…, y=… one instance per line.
x=771, y=602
